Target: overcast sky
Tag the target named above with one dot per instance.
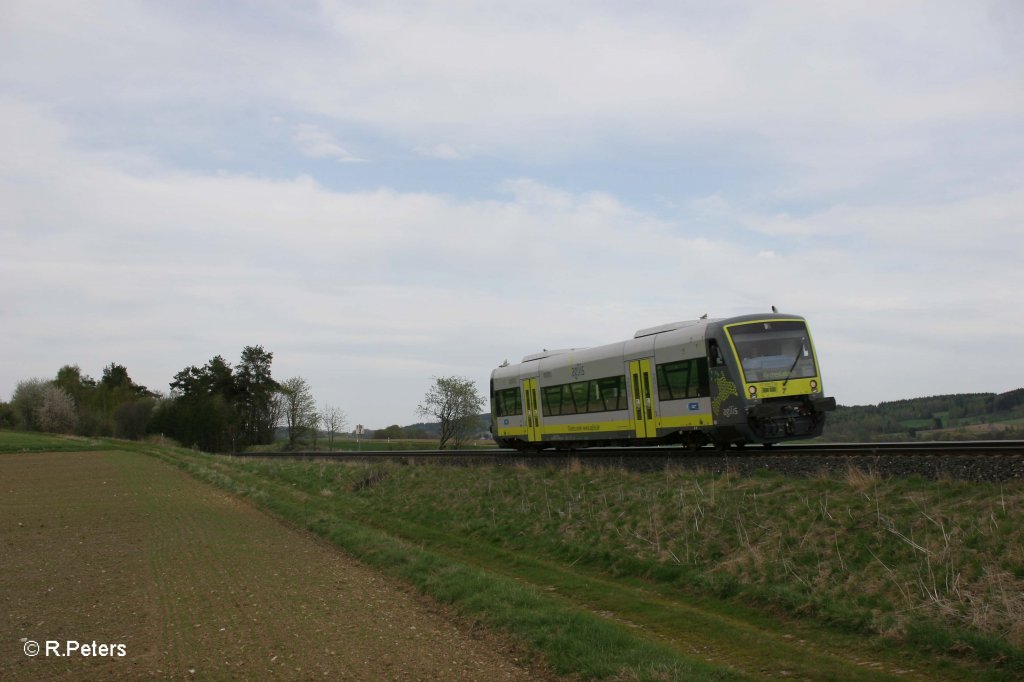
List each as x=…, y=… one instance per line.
x=383, y=192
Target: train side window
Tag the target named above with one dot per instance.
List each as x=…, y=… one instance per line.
x=508, y=402
x=594, y=404
x=513, y=401
x=613, y=393
x=579, y=396
x=673, y=378
x=699, y=384
x=715, y=354
x=552, y=401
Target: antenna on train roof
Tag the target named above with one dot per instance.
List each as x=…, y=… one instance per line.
x=774, y=309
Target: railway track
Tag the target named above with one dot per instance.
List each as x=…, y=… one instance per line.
x=966, y=460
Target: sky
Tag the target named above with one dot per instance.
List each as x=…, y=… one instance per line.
x=380, y=193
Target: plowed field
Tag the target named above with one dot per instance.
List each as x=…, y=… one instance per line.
x=121, y=549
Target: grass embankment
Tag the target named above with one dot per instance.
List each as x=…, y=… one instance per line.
x=909, y=577
x=365, y=445
x=17, y=441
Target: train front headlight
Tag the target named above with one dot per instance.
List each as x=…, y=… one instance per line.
x=814, y=386
x=752, y=391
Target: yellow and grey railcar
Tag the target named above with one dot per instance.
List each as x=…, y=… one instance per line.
x=732, y=381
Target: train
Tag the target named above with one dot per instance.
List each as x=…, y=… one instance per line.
x=726, y=382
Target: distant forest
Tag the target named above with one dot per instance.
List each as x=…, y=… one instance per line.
x=963, y=416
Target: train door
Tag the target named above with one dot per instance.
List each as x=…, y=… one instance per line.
x=643, y=405
x=531, y=408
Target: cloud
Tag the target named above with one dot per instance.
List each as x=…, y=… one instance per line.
x=444, y=151
x=810, y=82
x=319, y=144
x=543, y=175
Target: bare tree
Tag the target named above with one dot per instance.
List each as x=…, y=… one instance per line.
x=334, y=420
x=299, y=408
x=456, y=404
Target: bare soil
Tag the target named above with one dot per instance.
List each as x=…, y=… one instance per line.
x=120, y=548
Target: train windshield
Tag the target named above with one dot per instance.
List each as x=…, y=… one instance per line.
x=773, y=350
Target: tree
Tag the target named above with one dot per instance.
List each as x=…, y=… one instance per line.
x=255, y=395
x=27, y=402
x=77, y=385
x=299, y=408
x=8, y=417
x=39, y=405
x=131, y=418
x=393, y=431
x=456, y=404
x=58, y=413
x=334, y=420
x=97, y=404
x=217, y=408
x=209, y=414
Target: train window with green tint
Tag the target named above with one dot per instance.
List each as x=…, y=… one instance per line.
x=683, y=379
x=594, y=402
x=613, y=393
x=568, y=406
x=673, y=380
x=508, y=402
x=699, y=386
x=579, y=396
x=552, y=401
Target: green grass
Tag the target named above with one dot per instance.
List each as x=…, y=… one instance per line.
x=615, y=574
x=363, y=445
x=22, y=441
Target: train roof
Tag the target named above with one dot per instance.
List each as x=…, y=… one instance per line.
x=672, y=326
x=693, y=326
x=548, y=353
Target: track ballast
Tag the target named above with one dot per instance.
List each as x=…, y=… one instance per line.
x=964, y=460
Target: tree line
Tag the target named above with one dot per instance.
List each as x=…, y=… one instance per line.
x=75, y=403
x=215, y=407
x=956, y=416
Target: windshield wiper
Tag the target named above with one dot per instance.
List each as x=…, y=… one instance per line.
x=800, y=351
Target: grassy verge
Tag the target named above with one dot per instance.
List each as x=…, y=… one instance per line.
x=365, y=445
x=907, y=574
x=19, y=441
